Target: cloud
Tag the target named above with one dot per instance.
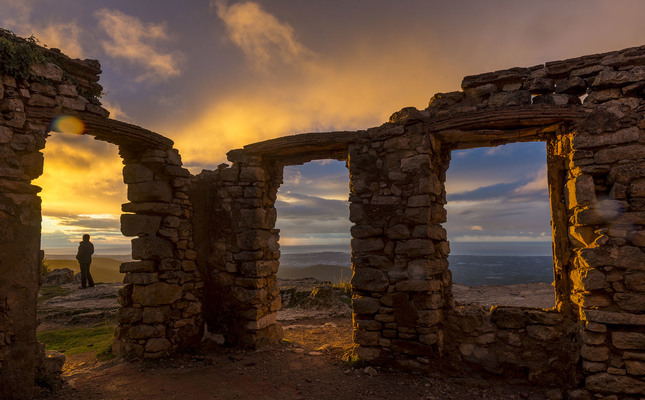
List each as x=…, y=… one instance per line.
x=476, y=228
x=264, y=40
x=538, y=184
x=64, y=35
x=135, y=41
x=295, y=205
x=116, y=112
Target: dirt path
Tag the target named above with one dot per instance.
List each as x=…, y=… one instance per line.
x=307, y=365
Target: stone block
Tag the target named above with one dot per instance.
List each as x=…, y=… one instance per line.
x=139, y=225
x=614, y=155
x=369, y=279
x=506, y=99
x=152, y=315
x=152, y=208
x=366, y=338
x=150, y=192
x=581, y=191
x=155, y=294
x=411, y=347
x=141, y=278
x=49, y=71
x=367, y=245
x=418, y=215
x=128, y=315
x=630, y=301
x=137, y=173
x=628, y=340
x=415, y=247
x=594, y=353
x=426, y=268
x=543, y=333
x=151, y=248
x=627, y=135
x=607, y=383
x=398, y=232
x=508, y=318
x=155, y=345
x=417, y=162
x=144, y=331
x=585, y=279
x=430, y=317
x=260, y=268
x=252, y=174
x=365, y=305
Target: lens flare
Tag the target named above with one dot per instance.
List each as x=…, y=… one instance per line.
x=67, y=124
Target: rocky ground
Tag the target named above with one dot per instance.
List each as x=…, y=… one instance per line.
x=310, y=363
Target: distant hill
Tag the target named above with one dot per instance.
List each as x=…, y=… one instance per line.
x=332, y=273
x=103, y=269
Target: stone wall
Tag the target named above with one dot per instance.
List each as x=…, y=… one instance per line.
x=238, y=249
x=512, y=342
x=161, y=301
x=401, y=282
x=161, y=307
x=208, y=251
x=589, y=112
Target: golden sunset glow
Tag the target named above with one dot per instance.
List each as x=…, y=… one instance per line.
x=221, y=74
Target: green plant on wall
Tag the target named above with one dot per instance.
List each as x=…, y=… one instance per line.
x=17, y=55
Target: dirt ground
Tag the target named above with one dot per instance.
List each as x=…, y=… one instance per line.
x=308, y=364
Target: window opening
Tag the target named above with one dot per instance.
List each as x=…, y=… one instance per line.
x=499, y=226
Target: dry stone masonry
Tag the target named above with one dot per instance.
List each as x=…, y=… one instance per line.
x=207, y=250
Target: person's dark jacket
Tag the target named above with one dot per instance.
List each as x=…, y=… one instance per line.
x=85, y=251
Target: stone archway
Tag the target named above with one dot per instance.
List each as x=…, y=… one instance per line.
x=160, y=307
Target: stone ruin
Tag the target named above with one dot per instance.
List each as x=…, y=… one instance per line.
x=207, y=249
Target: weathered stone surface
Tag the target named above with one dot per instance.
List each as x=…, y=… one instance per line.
x=59, y=276
x=149, y=192
x=48, y=71
x=595, y=353
x=608, y=383
x=369, y=279
x=504, y=99
x=137, y=173
x=158, y=344
x=628, y=340
x=139, y=225
x=156, y=294
x=622, y=136
x=365, y=305
x=151, y=248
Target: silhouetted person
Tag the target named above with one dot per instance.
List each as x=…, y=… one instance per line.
x=84, y=257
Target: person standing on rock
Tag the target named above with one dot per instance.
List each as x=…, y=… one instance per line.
x=84, y=257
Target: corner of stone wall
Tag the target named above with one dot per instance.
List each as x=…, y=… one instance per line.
x=242, y=255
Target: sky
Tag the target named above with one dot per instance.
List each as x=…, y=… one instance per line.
x=215, y=75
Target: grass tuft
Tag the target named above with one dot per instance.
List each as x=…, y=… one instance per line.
x=79, y=340
x=48, y=292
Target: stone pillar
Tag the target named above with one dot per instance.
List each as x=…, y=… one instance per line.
x=161, y=300
x=605, y=198
x=401, y=283
x=242, y=255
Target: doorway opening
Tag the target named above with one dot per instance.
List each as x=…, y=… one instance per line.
x=499, y=226
x=315, y=260
x=82, y=194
